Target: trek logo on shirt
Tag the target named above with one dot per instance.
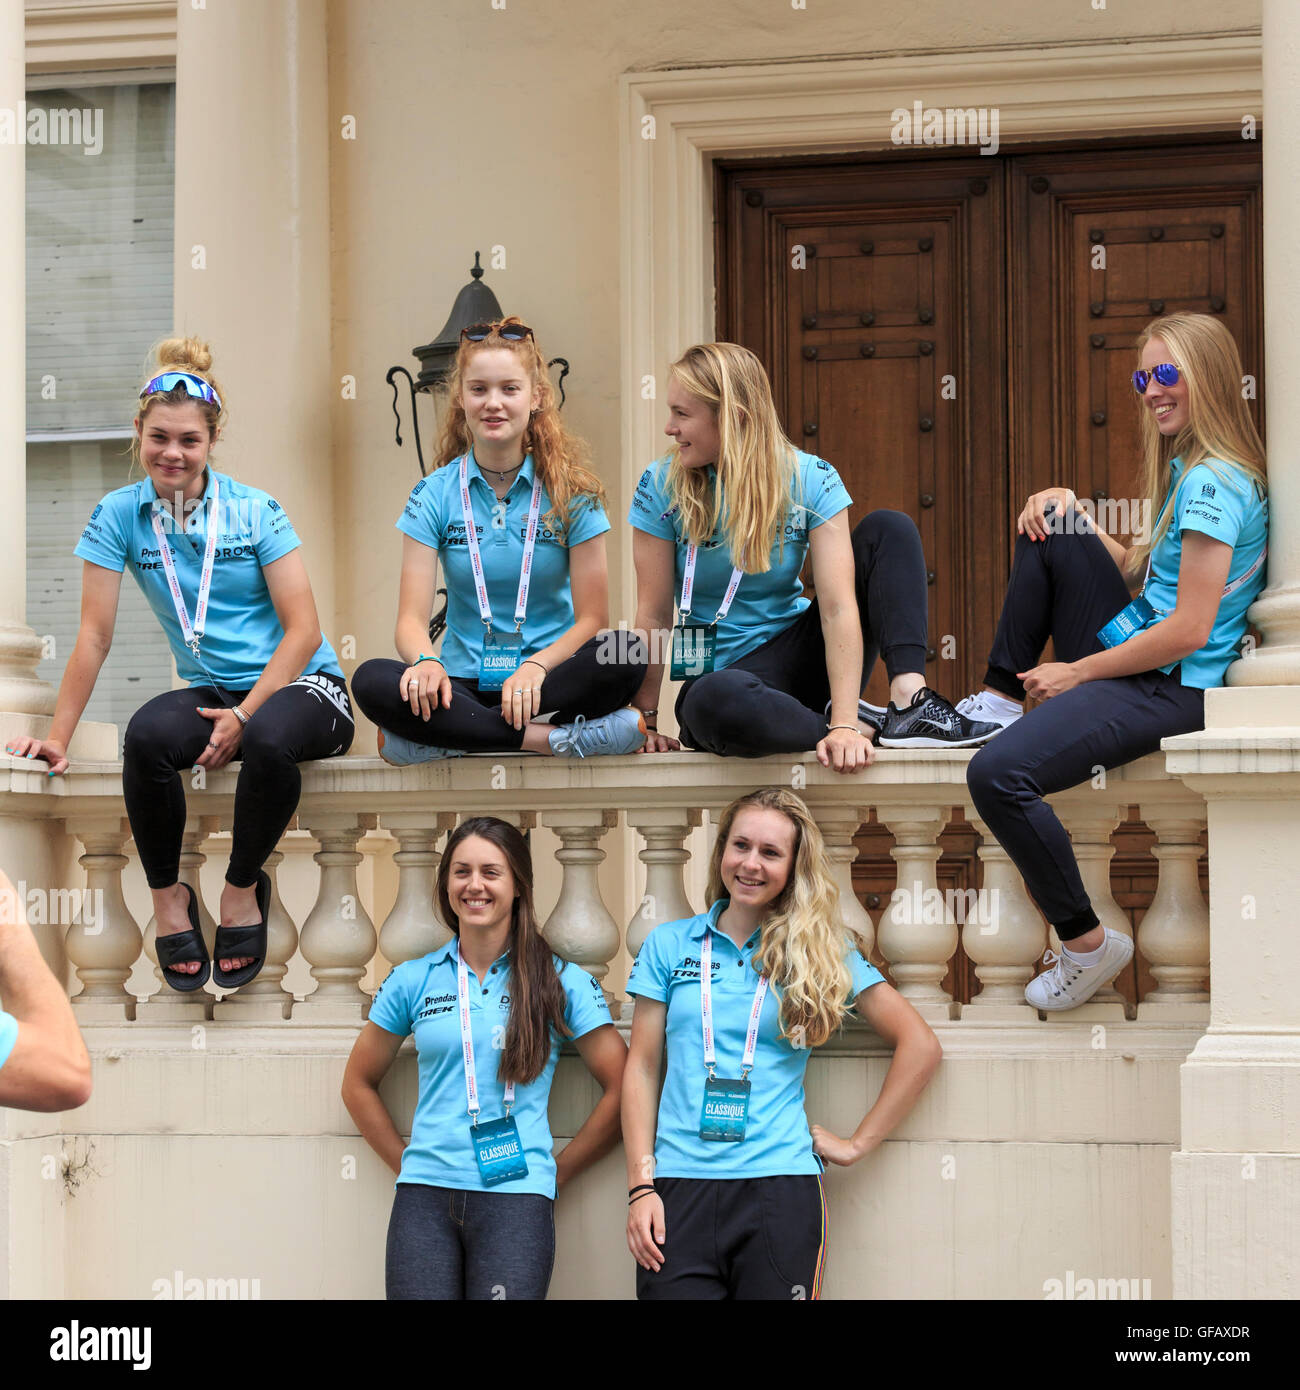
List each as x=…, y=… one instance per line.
x=435, y=1004
x=689, y=968
x=454, y=533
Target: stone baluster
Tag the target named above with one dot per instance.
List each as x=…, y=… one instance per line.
x=1004, y=939
x=1174, y=936
x=264, y=998
x=105, y=944
x=1090, y=822
x=166, y=1004
x=664, y=830
x=580, y=928
x=338, y=938
x=917, y=933
x=839, y=824
x=414, y=926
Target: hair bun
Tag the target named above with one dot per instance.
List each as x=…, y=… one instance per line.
x=184, y=354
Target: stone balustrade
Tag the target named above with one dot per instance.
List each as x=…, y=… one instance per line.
x=662, y=800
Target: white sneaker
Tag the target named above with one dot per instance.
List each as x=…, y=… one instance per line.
x=1068, y=984
x=989, y=709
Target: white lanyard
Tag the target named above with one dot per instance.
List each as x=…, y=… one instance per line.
x=476, y=560
x=467, y=1042
x=688, y=587
x=706, y=1011
x=192, y=632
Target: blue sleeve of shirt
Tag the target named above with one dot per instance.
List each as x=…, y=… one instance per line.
x=651, y=970
x=650, y=502
x=587, y=518
x=391, y=1006
x=421, y=518
x=273, y=533
x=824, y=493
x=1211, y=505
x=106, y=538
x=863, y=972
x=584, y=1001
x=8, y=1035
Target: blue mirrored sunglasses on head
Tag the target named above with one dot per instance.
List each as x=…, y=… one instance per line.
x=194, y=386
x=1165, y=373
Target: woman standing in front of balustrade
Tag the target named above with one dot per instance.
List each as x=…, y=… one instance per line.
x=771, y=671
x=519, y=521
x=472, y=1216
x=725, y=1196
x=1128, y=672
x=221, y=566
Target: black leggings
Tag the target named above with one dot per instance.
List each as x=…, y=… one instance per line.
x=773, y=700
x=448, y=1243
x=589, y=683
x=310, y=718
x=1066, y=587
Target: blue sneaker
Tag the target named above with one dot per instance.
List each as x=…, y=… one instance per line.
x=403, y=752
x=623, y=731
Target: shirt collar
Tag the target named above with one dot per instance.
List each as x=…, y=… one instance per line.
x=450, y=955
x=709, y=919
x=526, y=474
x=147, y=496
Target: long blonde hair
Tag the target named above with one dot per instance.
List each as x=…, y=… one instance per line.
x=756, y=462
x=801, y=948
x=190, y=355
x=561, y=458
x=1219, y=426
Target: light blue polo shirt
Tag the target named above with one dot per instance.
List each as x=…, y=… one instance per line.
x=433, y=517
x=1220, y=501
x=8, y=1035
x=419, y=996
x=243, y=630
x=765, y=604
x=777, y=1140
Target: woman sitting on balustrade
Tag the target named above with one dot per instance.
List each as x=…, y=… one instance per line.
x=221, y=567
x=724, y=1188
x=1128, y=671
x=519, y=522
x=765, y=669
x=472, y=1215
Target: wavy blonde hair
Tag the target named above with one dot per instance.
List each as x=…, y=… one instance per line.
x=561, y=458
x=1219, y=425
x=756, y=462
x=191, y=355
x=801, y=948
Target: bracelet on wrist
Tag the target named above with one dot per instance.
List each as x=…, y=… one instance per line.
x=533, y=661
x=854, y=727
x=419, y=659
x=641, y=1187
x=238, y=712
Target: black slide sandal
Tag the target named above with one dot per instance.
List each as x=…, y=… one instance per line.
x=243, y=941
x=183, y=946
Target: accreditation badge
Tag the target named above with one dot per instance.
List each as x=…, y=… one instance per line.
x=726, y=1108
x=502, y=653
x=693, y=649
x=1127, y=622
x=498, y=1151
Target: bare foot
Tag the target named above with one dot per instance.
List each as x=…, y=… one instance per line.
x=171, y=908
x=238, y=909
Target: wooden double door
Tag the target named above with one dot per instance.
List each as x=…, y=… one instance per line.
x=956, y=333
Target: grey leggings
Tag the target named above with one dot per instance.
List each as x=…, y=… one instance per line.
x=449, y=1244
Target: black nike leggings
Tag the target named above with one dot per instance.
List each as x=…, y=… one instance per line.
x=773, y=699
x=589, y=683
x=309, y=718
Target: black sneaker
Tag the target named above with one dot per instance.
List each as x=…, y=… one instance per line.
x=931, y=722
x=867, y=714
